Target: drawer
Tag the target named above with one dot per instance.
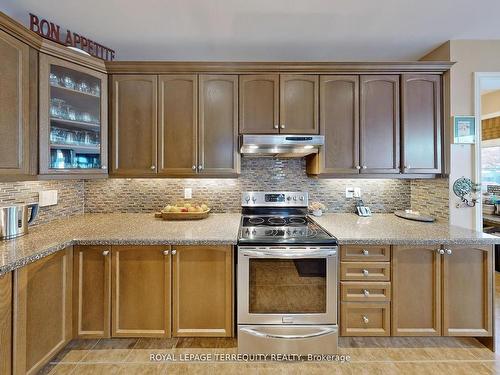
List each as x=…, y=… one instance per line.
x=360, y=291
x=365, y=318
x=380, y=253
x=365, y=271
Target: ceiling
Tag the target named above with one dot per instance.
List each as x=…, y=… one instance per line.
x=253, y=30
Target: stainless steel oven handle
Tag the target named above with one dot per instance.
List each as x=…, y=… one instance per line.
x=284, y=254
x=322, y=332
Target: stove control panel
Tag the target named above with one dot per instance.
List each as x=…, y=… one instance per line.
x=274, y=199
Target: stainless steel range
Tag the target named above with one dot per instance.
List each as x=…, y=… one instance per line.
x=287, y=277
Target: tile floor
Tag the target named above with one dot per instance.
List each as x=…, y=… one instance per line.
x=368, y=355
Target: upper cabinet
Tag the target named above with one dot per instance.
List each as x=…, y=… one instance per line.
x=133, y=125
x=73, y=119
x=218, y=127
x=421, y=123
x=379, y=124
x=18, y=97
x=274, y=103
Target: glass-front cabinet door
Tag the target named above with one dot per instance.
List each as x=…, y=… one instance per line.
x=73, y=118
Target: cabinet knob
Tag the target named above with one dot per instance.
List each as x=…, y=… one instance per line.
x=276, y=126
x=364, y=167
x=358, y=166
x=449, y=252
x=105, y=253
x=193, y=167
x=174, y=251
x=365, y=252
x=282, y=126
x=365, y=272
x=366, y=293
x=165, y=252
x=365, y=319
x=200, y=167
x=440, y=251
x=153, y=167
x=104, y=167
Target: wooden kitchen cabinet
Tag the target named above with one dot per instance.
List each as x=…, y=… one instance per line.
x=259, y=103
x=416, y=296
x=339, y=116
x=218, y=125
x=421, y=123
x=140, y=291
x=18, y=108
x=91, y=291
x=42, y=311
x=178, y=125
x=6, y=324
x=468, y=291
x=134, y=125
x=299, y=97
x=379, y=124
x=202, y=291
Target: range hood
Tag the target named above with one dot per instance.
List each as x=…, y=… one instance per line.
x=285, y=146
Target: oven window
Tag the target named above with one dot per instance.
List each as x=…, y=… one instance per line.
x=287, y=286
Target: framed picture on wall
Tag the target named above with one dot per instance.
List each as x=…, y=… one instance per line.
x=464, y=129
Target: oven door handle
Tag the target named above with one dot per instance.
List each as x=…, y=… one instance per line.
x=321, y=332
x=285, y=254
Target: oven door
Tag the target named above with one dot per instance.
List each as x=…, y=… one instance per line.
x=287, y=285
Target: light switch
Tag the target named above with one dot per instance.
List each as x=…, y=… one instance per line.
x=47, y=198
x=349, y=192
x=357, y=192
x=188, y=193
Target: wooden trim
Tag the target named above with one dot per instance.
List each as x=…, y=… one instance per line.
x=185, y=67
x=6, y=324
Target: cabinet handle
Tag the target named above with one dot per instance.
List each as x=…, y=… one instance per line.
x=104, y=167
x=200, y=167
x=153, y=167
x=193, y=167
x=365, y=252
x=365, y=272
x=276, y=126
x=105, y=253
x=282, y=126
x=449, y=252
x=366, y=320
x=165, y=252
x=174, y=251
x=440, y=251
x=366, y=293
x=364, y=167
x=358, y=166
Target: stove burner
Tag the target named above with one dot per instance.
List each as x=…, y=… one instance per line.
x=297, y=220
x=256, y=220
x=276, y=221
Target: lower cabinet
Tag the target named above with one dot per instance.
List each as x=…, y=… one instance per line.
x=202, y=291
x=91, y=291
x=6, y=324
x=140, y=291
x=42, y=311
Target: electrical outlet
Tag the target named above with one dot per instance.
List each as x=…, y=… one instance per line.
x=349, y=192
x=357, y=192
x=188, y=193
x=47, y=198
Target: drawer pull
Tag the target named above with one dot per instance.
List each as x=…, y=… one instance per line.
x=365, y=252
x=366, y=293
x=105, y=252
x=365, y=272
x=165, y=252
x=366, y=320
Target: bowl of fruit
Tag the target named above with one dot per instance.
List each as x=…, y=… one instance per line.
x=184, y=211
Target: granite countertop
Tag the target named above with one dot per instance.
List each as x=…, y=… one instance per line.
x=393, y=230
x=115, y=229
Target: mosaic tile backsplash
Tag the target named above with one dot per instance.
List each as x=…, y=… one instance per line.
x=224, y=195
x=70, y=196
x=431, y=197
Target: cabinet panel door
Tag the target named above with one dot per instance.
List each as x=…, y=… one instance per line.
x=218, y=130
x=299, y=104
x=259, y=104
x=178, y=125
x=140, y=290
x=42, y=310
x=467, y=291
x=416, y=287
x=91, y=291
x=6, y=324
x=202, y=291
x=14, y=106
x=421, y=123
x=134, y=125
x=379, y=124
x=339, y=106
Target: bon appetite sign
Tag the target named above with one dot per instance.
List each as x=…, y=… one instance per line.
x=52, y=31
